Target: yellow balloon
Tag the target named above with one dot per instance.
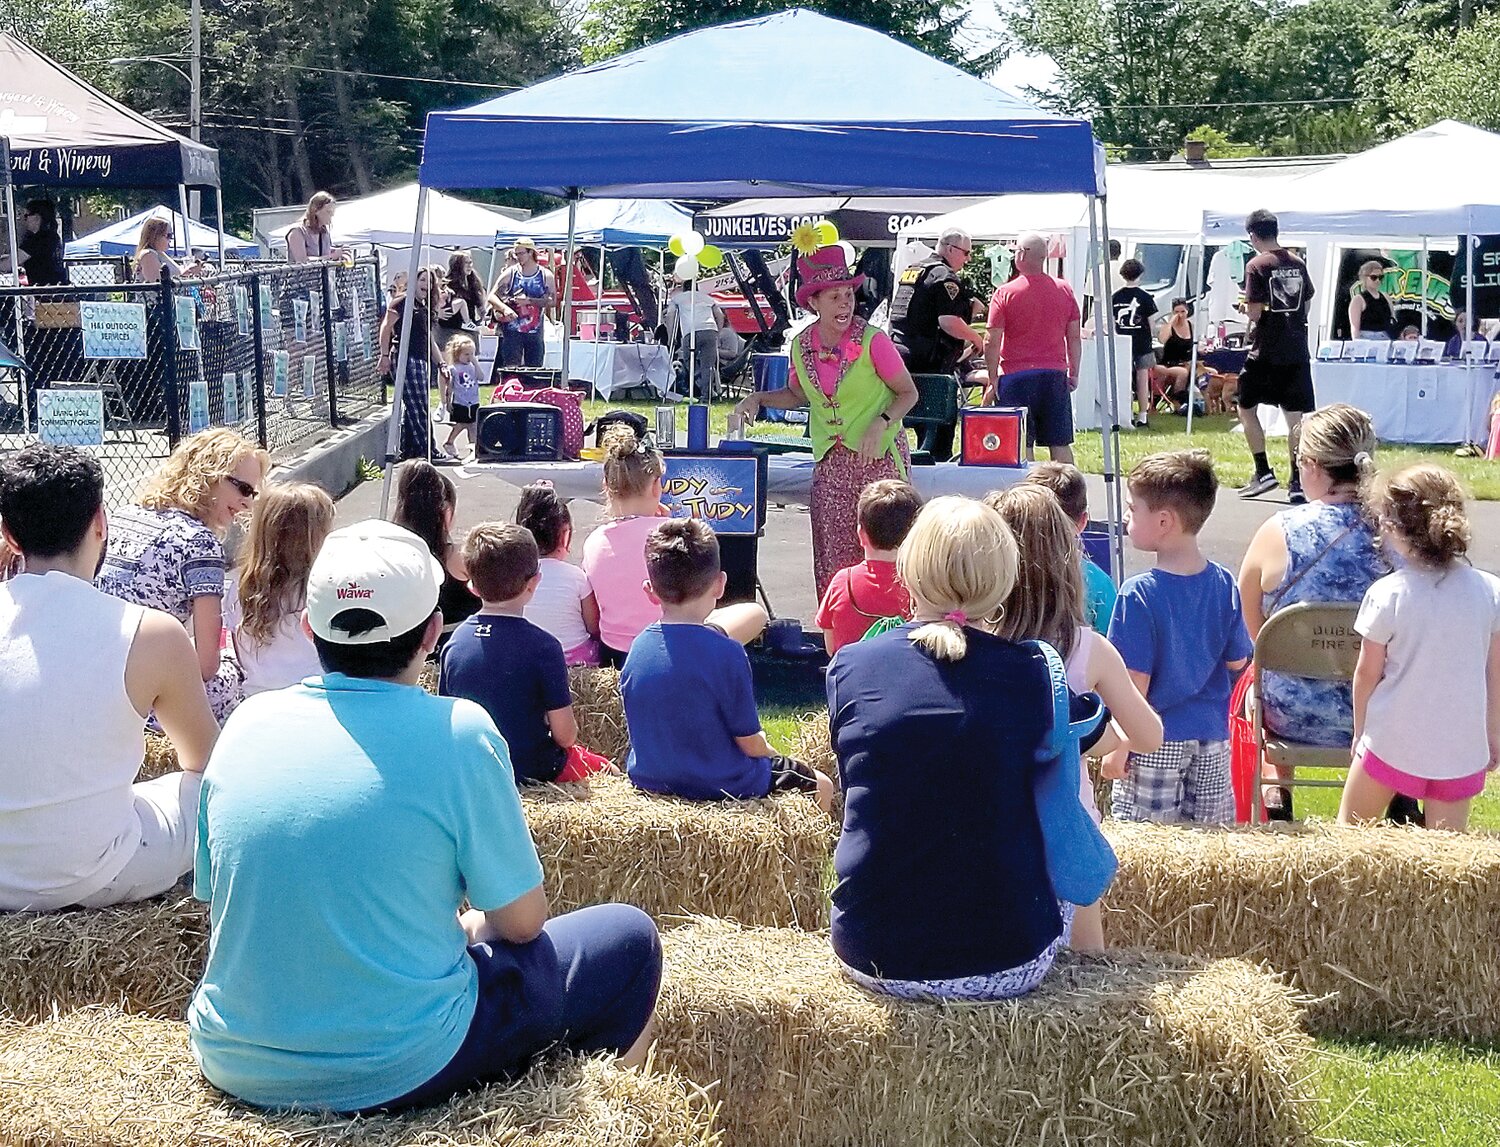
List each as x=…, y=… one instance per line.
x=674, y=245
x=711, y=256
x=828, y=234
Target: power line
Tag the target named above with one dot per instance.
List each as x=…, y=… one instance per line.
x=1232, y=104
x=402, y=79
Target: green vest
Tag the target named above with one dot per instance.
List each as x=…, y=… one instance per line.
x=856, y=402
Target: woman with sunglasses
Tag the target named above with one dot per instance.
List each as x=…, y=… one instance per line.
x=167, y=552
x=1370, y=315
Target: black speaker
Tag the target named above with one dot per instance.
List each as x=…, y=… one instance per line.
x=519, y=432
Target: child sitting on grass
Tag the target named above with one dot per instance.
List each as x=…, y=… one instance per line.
x=511, y=668
x=689, y=698
x=564, y=604
x=860, y=595
x=1065, y=480
x=1181, y=631
x=1427, y=687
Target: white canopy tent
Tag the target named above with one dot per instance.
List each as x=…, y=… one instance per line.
x=385, y=219
x=603, y=223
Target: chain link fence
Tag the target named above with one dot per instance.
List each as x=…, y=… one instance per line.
x=280, y=353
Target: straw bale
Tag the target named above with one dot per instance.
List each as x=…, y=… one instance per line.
x=600, y=711
x=97, y=1078
x=145, y=957
x=428, y=678
x=810, y=744
x=161, y=758
x=1137, y=1048
x=1392, y=930
x=758, y=862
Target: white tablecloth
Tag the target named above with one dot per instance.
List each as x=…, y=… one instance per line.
x=1446, y=403
x=790, y=478
x=609, y=367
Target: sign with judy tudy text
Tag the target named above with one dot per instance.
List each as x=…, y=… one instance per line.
x=113, y=330
x=720, y=489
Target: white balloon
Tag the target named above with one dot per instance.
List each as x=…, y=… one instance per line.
x=692, y=243
x=848, y=249
x=686, y=269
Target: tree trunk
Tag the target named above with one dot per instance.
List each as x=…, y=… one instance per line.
x=301, y=162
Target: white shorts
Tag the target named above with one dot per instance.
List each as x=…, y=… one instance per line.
x=167, y=809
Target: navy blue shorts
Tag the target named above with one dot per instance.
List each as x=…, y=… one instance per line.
x=1048, y=403
x=588, y=983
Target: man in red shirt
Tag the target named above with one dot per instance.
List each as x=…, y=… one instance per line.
x=1035, y=336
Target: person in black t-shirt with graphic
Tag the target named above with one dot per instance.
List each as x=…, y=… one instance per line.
x=1133, y=309
x=1278, y=367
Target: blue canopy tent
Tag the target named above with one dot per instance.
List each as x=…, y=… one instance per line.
x=121, y=238
x=761, y=108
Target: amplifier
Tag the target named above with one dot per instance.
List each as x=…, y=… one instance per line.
x=993, y=435
x=519, y=432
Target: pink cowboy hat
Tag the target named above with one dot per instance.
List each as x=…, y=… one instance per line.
x=824, y=268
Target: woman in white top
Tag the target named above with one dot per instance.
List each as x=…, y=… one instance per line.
x=151, y=256
x=564, y=603
x=264, y=615
x=1047, y=604
x=312, y=235
x=694, y=319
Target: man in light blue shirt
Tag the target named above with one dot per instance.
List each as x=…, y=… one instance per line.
x=343, y=822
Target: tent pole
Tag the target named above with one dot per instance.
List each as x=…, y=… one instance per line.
x=186, y=238
x=599, y=295
x=403, y=353
x=1470, y=295
x=1108, y=407
x=23, y=398
x=1117, y=494
x=1202, y=285
x=1425, y=287
x=567, y=299
x=219, y=204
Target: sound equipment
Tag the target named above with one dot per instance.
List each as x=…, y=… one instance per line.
x=993, y=435
x=520, y=432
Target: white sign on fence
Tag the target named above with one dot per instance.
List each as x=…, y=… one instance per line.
x=113, y=330
x=70, y=417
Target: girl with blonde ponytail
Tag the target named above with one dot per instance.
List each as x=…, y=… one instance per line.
x=943, y=888
x=1427, y=686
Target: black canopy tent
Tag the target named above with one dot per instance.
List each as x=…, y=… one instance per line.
x=58, y=131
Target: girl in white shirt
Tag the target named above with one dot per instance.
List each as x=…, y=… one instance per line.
x=264, y=611
x=1427, y=686
x=564, y=603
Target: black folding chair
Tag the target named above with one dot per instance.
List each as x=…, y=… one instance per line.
x=937, y=405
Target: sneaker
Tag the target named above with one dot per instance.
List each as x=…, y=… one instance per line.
x=1260, y=484
x=1294, y=494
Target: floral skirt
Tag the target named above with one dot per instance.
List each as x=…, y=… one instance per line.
x=838, y=479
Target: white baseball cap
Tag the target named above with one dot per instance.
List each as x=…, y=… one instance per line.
x=376, y=566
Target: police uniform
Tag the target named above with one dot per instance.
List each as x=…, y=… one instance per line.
x=925, y=292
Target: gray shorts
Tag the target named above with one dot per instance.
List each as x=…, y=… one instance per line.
x=1145, y=361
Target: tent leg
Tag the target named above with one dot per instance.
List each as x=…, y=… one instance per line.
x=403, y=353
x=1109, y=430
x=23, y=397
x=1193, y=357
x=567, y=299
x=1469, y=307
x=185, y=239
x=219, y=205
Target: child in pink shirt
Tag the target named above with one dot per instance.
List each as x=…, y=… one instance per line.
x=614, y=555
x=860, y=595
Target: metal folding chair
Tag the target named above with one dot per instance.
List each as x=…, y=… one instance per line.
x=1313, y=640
x=937, y=403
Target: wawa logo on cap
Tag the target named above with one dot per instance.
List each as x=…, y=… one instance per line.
x=354, y=592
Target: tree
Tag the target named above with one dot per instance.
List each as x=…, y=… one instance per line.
x=936, y=27
x=1442, y=76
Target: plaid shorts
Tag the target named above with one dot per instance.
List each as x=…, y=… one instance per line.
x=1181, y=781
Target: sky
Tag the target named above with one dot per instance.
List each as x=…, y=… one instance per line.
x=1018, y=71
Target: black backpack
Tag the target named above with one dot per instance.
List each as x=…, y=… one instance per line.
x=629, y=418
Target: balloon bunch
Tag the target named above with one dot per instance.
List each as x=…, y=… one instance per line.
x=693, y=253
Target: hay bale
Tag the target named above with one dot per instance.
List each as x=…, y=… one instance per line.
x=758, y=862
x=98, y=1078
x=161, y=758
x=809, y=743
x=1389, y=929
x=1138, y=1048
x=144, y=957
x=428, y=678
x=600, y=711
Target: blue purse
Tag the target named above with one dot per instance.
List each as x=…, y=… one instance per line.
x=1080, y=862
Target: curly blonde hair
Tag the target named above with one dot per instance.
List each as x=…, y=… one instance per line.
x=1423, y=505
x=185, y=481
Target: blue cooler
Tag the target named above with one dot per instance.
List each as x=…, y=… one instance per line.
x=771, y=372
x=1096, y=539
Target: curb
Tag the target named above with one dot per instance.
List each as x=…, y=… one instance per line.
x=331, y=462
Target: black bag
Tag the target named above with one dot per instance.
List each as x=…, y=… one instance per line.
x=628, y=418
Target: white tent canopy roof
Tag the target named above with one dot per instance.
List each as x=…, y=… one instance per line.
x=384, y=220
x=1443, y=180
x=1142, y=201
x=614, y=222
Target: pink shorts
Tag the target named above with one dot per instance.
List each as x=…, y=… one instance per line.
x=1421, y=788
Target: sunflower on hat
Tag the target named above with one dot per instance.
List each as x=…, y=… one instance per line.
x=805, y=239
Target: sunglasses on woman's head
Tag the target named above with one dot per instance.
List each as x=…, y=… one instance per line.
x=246, y=490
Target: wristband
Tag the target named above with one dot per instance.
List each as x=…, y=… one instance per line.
x=885, y=416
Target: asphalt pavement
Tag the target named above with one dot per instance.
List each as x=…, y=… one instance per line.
x=786, y=548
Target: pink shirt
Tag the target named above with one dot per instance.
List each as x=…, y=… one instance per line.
x=884, y=357
x=614, y=557
x=1034, y=311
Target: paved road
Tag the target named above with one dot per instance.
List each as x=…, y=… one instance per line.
x=786, y=549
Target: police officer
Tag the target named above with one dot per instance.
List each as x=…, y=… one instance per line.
x=930, y=315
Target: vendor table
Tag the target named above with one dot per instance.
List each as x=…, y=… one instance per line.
x=608, y=367
x=790, y=482
x=1419, y=403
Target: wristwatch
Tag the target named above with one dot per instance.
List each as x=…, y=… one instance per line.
x=886, y=416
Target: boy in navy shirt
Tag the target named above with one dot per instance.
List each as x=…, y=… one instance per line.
x=689, y=698
x=1182, y=634
x=514, y=669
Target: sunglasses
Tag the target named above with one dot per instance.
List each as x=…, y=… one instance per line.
x=246, y=490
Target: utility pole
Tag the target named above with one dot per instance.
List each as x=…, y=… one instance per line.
x=195, y=98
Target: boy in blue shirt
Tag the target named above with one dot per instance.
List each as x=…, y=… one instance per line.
x=689, y=697
x=515, y=670
x=1182, y=634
